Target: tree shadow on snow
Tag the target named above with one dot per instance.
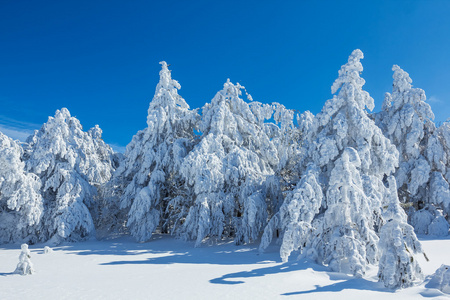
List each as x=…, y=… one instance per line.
x=344, y=281
x=260, y=272
x=350, y=283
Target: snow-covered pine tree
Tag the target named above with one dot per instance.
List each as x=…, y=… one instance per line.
x=99, y=151
x=287, y=138
x=406, y=120
x=20, y=200
x=398, y=267
x=333, y=210
x=148, y=177
x=347, y=228
x=100, y=175
x=225, y=172
x=67, y=161
x=438, y=193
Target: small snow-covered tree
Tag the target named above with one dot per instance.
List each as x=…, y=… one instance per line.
x=25, y=266
x=148, y=178
x=20, y=200
x=68, y=163
x=333, y=210
x=226, y=170
x=398, y=267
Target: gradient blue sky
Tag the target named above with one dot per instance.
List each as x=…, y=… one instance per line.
x=100, y=58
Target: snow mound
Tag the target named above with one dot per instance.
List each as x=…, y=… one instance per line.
x=47, y=250
x=441, y=279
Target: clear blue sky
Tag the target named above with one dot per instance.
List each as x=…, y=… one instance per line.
x=100, y=58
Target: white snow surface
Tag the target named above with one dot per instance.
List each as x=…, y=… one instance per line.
x=167, y=268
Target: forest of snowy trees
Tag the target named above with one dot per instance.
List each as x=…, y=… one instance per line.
x=347, y=188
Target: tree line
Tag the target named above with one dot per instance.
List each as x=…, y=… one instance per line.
x=347, y=187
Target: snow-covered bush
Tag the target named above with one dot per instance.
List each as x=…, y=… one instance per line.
x=20, y=200
x=24, y=267
x=332, y=212
x=398, y=267
x=71, y=164
x=225, y=172
x=148, y=178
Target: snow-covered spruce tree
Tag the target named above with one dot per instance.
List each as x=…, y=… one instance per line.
x=398, y=268
x=148, y=178
x=70, y=164
x=101, y=175
x=20, y=200
x=225, y=172
x=287, y=138
x=333, y=210
x=406, y=120
x=438, y=193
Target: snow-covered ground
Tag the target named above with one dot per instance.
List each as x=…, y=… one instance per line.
x=166, y=268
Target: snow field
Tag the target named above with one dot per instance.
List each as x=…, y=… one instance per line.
x=166, y=268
